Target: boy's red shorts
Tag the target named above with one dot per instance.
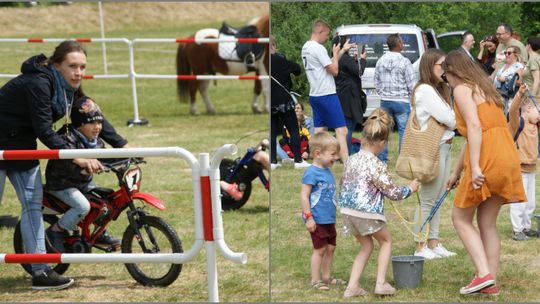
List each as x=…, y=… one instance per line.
x=324, y=234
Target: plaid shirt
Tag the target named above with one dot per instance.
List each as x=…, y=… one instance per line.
x=394, y=77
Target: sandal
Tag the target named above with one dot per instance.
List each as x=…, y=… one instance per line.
x=384, y=289
x=335, y=281
x=319, y=285
x=359, y=292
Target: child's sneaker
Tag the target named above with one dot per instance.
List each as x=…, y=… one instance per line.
x=427, y=254
x=443, y=252
x=50, y=280
x=478, y=284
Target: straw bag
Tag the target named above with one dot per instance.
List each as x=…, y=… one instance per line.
x=419, y=153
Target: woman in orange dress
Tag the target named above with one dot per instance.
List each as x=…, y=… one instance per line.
x=490, y=162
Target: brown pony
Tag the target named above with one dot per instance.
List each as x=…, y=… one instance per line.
x=203, y=59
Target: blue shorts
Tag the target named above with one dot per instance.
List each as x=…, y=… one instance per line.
x=327, y=111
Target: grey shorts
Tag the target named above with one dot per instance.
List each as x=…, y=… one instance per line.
x=361, y=226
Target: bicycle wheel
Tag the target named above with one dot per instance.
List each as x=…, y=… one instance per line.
x=157, y=237
x=18, y=245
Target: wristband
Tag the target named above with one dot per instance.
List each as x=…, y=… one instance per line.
x=307, y=215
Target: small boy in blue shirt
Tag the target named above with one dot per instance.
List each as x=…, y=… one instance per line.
x=318, y=200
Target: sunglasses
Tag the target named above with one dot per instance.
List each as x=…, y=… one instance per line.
x=508, y=53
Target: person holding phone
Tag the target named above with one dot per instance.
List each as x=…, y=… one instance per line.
x=320, y=71
x=349, y=88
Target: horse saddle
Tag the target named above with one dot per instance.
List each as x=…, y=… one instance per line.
x=227, y=29
x=246, y=52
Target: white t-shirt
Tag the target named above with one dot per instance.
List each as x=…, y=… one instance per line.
x=315, y=59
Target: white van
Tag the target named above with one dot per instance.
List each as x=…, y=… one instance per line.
x=373, y=36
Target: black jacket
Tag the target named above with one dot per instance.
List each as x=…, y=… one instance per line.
x=281, y=69
x=349, y=88
x=63, y=173
x=26, y=114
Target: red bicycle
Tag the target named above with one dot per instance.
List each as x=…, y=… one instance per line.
x=144, y=233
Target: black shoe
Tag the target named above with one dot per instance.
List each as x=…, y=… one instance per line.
x=50, y=280
x=55, y=239
x=105, y=239
x=530, y=232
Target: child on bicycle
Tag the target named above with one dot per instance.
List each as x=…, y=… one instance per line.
x=318, y=201
x=69, y=179
x=365, y=183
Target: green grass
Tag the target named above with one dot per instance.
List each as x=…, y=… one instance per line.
x=246, y=230
x=442, y=278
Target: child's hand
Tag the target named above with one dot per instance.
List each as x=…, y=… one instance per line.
x=414, y=185
x=310, y=224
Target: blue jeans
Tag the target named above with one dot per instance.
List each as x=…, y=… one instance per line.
x=351, y=125
x=399, y=111
x=80, y=206
x=29, y=190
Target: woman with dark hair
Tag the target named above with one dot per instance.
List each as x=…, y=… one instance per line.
x=431, y=98
x=29, y=106
x=491, y=165
x=486, y=54
x=349, y=89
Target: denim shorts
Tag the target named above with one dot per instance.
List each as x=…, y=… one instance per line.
x=327, y=111
x=361, y=226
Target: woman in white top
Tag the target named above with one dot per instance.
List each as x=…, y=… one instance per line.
x=503, y=80
x=432, y=99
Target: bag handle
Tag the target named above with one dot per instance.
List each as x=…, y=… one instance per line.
x=414, y=122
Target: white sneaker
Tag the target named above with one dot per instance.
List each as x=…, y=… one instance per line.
x=304, y=164
x=427, y=253
x=274, y=166
x=443, y=252
x=287, y=161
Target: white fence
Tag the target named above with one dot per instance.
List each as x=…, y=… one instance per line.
x=133, y=75
x=207, y=210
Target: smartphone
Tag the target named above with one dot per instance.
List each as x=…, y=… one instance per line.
x=363, y=49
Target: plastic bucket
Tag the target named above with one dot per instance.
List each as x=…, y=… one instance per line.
x=407, y=270
x=537, y=216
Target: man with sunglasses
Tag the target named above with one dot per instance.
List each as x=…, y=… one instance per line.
x=504, y=34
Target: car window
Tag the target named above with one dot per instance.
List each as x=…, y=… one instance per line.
x=376, y=46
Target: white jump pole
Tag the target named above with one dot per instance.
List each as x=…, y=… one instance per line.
x=136, y=120
x=103, y=45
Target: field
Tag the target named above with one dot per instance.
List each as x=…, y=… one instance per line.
x=246, y=230
x=442, y=278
